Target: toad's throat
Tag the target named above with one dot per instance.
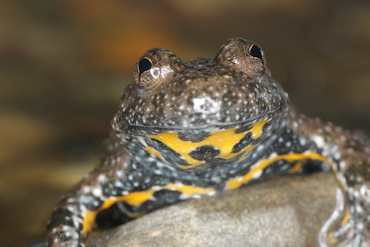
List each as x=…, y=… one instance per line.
x=224, y=144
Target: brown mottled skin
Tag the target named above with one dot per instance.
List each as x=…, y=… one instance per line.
x=185, y=130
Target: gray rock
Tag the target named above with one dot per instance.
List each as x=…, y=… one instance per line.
x=287, y=211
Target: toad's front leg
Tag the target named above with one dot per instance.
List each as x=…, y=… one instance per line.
x=107, y=184
x=119, y=179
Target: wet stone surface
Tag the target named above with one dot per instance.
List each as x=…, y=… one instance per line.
x=286, y=211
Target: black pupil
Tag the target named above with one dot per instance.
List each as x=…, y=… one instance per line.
x=256, y=52
x=144, y=65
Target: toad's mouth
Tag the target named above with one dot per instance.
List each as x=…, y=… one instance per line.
x=220, y=125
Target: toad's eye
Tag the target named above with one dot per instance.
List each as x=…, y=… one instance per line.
x=153, y=69
x=256, y=52
x=144, y=65
x=244, y=56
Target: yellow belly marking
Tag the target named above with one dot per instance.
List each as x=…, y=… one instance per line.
x=139, y=197
x=223, y=140
x=133, y=199
x=237, y=182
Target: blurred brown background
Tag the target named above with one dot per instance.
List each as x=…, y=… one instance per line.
x=64, y=64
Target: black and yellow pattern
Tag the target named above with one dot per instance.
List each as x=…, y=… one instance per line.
x=187, y=130
x=222, y=144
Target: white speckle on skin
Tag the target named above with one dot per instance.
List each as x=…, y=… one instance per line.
x=342, y=165
x=211, y=193
x=356, y=194
x=319, y=141
x=337, y=155
x=101, y=178
x=97, y=192
x=156, y=188
x=86, y=189
x=257, y=174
